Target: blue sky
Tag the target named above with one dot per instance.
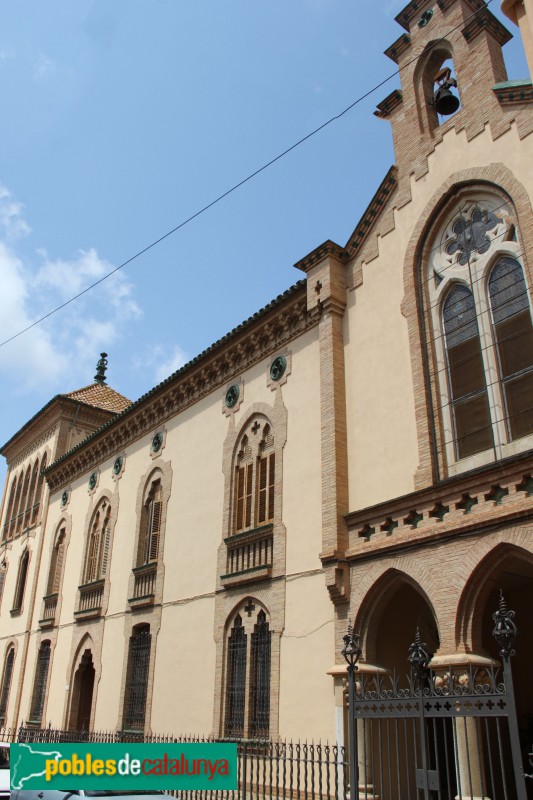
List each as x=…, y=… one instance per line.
x=120, y=119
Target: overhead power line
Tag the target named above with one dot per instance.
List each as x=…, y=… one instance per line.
x=232, y=189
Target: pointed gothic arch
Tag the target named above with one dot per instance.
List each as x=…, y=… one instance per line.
x=389, y=615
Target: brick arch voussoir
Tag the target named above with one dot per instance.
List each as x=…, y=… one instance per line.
x=372, y=594
x=479, y=567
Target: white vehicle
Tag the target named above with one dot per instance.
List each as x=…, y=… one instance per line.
x=4, y=771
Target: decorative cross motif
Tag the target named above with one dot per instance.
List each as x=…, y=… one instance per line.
x=389, y=526
x=471, y=235
x=439, y=511
x=467, y=503
x=249, y=608
x=366, y=532
x=413, y=519
x=255, y=427
x=497, y=493
x=526, y=485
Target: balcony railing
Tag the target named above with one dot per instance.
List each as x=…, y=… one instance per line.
x=90, y=599
x=49, y=610
x=249, y=555
x=144, y=584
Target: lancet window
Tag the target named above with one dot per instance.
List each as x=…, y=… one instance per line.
x=254, y=477
x=248, y=672
x=482, y=333
x=97, y=551
x=138, y=671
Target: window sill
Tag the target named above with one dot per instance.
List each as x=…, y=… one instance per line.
x=249, y=535
x=47, y=623
x=88, y=612
x=16, y=612
x=247, y=575
x=138, y=602
x=491, y=456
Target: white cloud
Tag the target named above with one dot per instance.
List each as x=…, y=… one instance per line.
x=11, y=218
x=176, y=360
x=69, y=277
x=160, y=361
x=68, y=343
x=31, y=358
x=44, y=67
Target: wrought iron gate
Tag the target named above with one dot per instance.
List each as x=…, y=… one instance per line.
x=443, y=732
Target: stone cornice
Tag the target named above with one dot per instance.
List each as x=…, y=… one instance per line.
x=265, y=332
x=30, y=436
x=493, y=495
x=328, y=248
x=486, y=21
x=415, y=9
x=513, y=92
x=398, y=47
x=389, y=104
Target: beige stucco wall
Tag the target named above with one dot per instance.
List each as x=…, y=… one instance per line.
x=184, y=673
x=307, y=653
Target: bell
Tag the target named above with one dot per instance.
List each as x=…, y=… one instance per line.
x=445, y=102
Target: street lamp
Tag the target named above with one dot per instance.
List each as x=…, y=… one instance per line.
x=352, y=652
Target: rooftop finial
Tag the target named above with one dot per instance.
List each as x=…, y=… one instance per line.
x=101, y=367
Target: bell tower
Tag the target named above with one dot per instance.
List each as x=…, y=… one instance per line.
x=453, y=76
x=521, y=13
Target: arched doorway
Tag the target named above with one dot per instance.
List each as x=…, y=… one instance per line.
x=392, y=612
x=507, y=569
x=82, y=694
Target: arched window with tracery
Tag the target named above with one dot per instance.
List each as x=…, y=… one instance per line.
x=56, y=563
x=480, y=309
x=16, y=505
x=37, y=498
x=466, y=372
x=254, y=477
x=151, y=517
x=40, y=683
x=23, y=500
x=31, y=495
x=236, y=681
x=248, y=674
x=22, y=578
x=9, y=510
x=513, y=337
x=7, y=676
x=3, y=570
x=138, y=672
x=97, y=550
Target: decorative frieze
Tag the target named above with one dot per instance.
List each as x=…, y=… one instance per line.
x=216, y=367
x=459, y=506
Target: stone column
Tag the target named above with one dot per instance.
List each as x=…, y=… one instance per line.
x=364, y=756
x=459, y=669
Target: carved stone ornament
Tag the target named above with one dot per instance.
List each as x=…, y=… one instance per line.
x=470, y=232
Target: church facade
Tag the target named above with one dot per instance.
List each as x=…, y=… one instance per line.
x=360, y=449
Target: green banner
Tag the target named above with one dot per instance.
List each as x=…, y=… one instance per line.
x=124, y=766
